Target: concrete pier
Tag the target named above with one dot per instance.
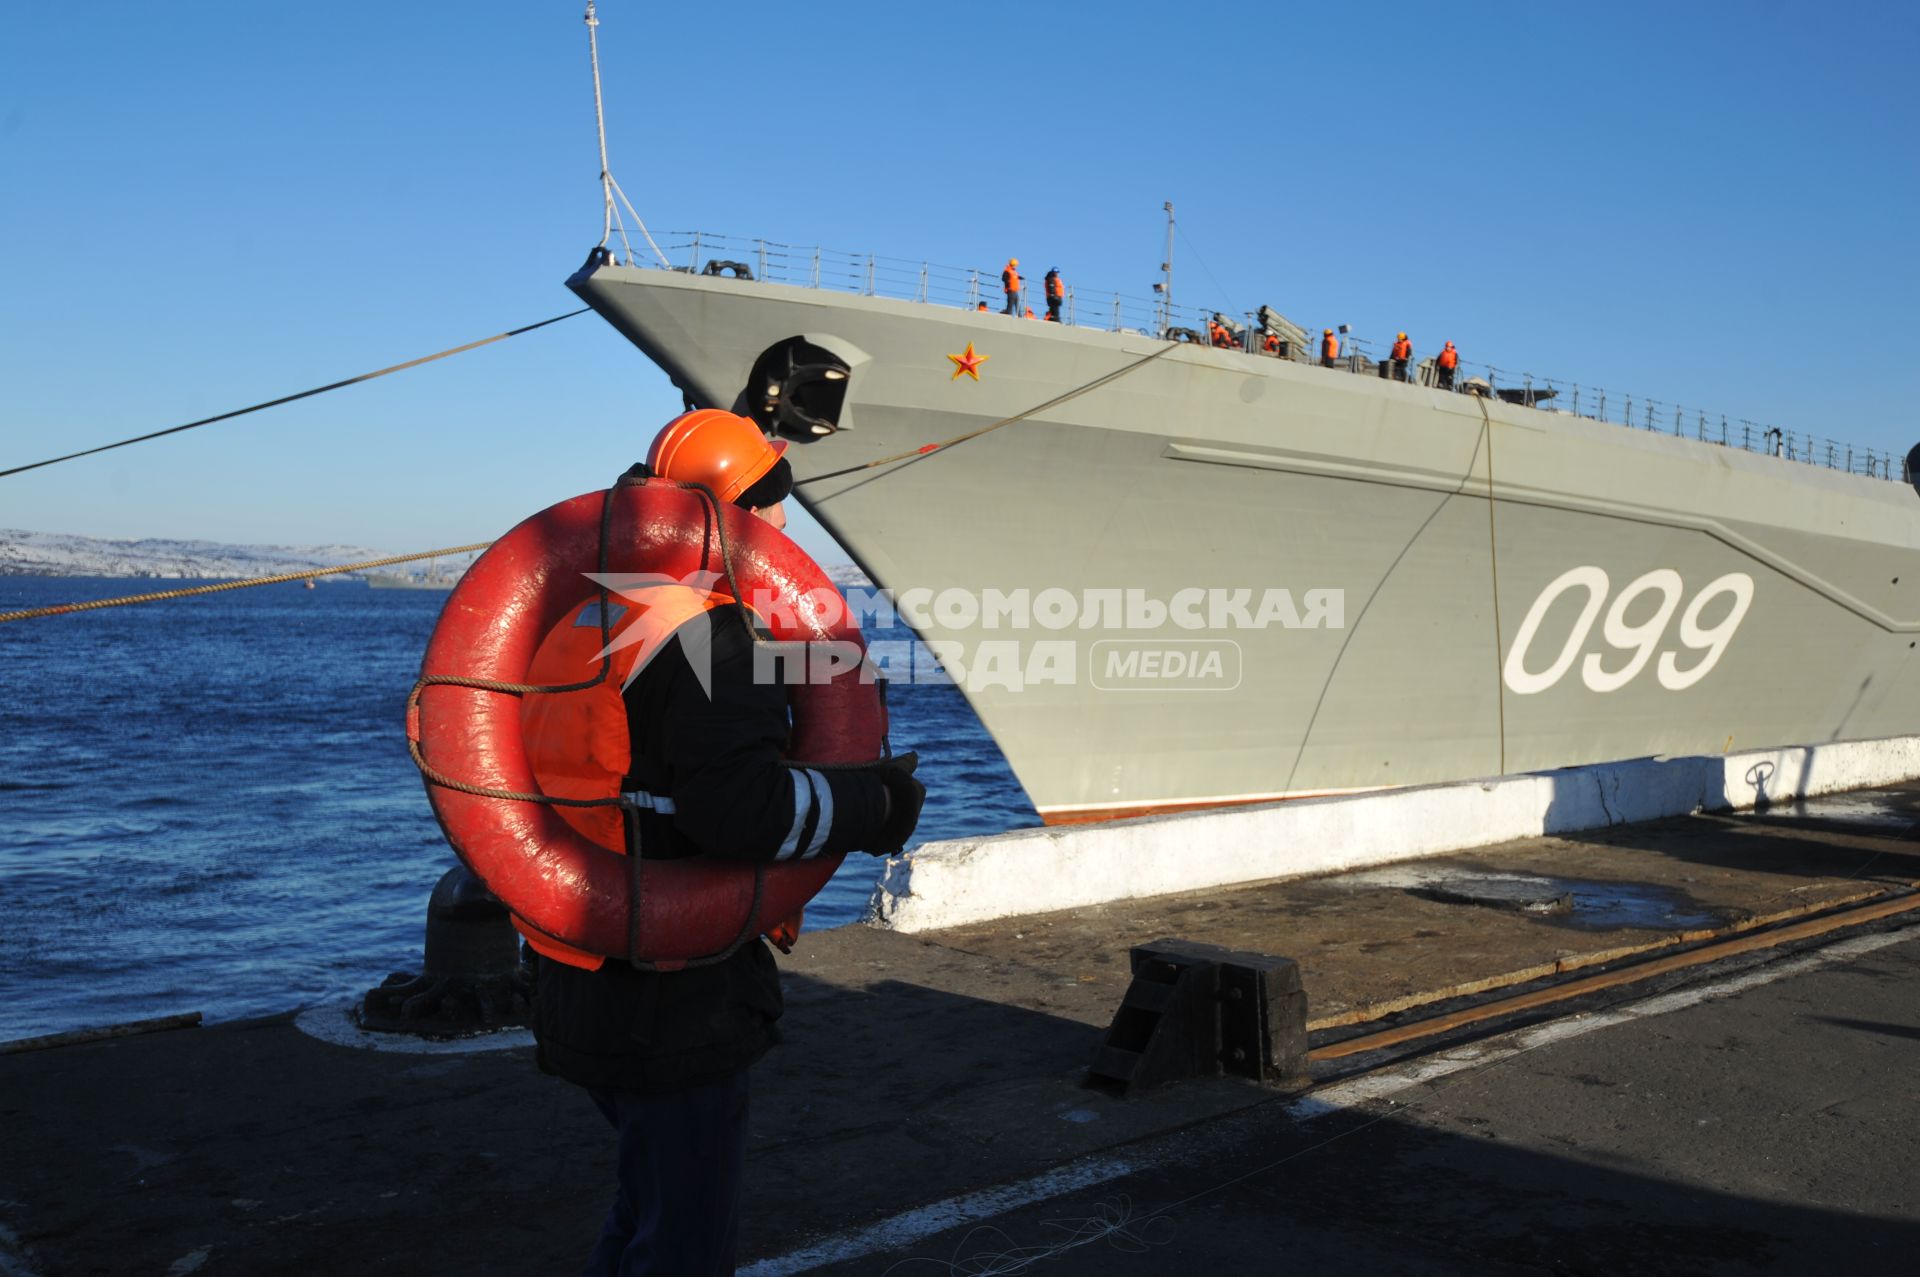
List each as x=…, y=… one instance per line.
x=1747, y=1113
x=961, y=881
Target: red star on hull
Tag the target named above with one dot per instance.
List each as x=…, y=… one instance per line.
x=968, y=362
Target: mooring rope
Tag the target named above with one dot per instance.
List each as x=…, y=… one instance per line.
x=304, y=394
x=124, y=600
x=926, y=448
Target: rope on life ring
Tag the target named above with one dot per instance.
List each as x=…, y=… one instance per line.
x=656, y=914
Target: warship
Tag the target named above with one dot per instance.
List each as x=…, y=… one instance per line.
x=1168, y=575
x=397, y=581
x=433, y=578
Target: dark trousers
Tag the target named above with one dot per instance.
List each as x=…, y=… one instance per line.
x=1399, y=370
x=1446, y=378
x=1013, y=302
x=1053, y=309
x=677, y=1210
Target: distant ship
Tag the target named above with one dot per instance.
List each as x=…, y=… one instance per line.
x=1477, y=585
x=432, y=579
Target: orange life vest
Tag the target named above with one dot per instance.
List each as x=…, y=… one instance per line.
x=1403, y=349
x=1329, y=347
x=577, y=742
x=1010, y=280
x=1056, y=289
x=1449, y=357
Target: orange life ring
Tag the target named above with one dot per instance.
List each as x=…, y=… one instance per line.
x=553, y=878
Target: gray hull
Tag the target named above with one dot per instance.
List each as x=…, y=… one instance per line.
x=1518, y=589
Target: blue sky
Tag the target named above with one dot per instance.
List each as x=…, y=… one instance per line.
x=206, y=205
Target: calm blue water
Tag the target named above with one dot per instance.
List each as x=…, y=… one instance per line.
x=207, y=804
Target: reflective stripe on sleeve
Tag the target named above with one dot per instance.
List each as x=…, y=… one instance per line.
x=802, y=805
x=825, y=825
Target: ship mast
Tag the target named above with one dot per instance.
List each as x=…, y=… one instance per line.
x=1165, y=286
x=608, y=187
x=600, y=122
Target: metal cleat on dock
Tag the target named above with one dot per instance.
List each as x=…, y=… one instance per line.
x=1198, y=1010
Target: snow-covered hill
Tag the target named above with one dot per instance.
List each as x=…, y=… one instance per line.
x=60, y=554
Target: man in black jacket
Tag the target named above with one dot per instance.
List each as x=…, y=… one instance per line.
x=665, y=1054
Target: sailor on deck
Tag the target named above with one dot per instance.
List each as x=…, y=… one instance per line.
x=1010, y=281
x=1329, y=348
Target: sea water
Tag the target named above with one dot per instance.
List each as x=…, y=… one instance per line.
x=207, y=805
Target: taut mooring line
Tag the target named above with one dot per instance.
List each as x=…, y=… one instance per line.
x=304, y=394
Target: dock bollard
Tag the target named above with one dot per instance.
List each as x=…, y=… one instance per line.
x=473, y=980
x=1198, y=1010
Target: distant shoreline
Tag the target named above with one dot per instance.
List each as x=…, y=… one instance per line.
x=42, y=554
x=61, y=554
x=318, y=574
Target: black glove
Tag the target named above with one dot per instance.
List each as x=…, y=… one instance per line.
x=905, y=796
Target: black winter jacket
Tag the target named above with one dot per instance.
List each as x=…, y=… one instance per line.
x=718, y=758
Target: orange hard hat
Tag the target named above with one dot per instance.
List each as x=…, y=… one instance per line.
x=1013, y=261
x=1403, y=337
x=708, y=446
x=1327, y=331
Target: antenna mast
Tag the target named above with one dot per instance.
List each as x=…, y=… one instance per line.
x=608, y=187
x=1166, y=269
x=600, y=120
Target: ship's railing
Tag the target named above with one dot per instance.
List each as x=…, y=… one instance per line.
x=874, y=275
x=966, y=287
x=1681, y=421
